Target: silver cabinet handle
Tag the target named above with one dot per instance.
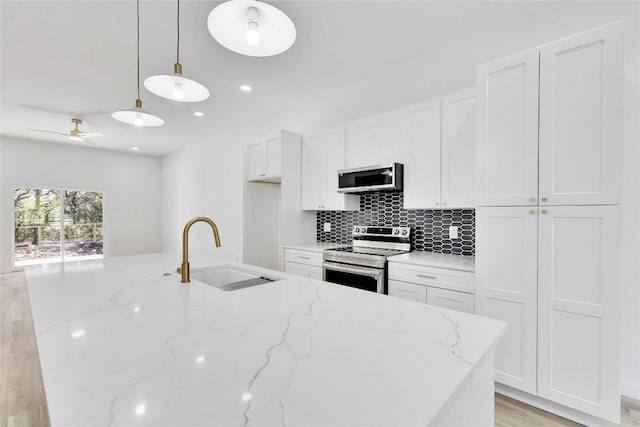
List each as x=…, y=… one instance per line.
x=544, y=199
x=303, y=257
x=532, y=211
x=532, y=199
x=425, y=276
x=544, y=211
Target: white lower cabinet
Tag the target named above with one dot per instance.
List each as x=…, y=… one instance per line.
x=450, y=299
x=408, y=291
x=432, y=285
x=303, y=263
x=551, y=273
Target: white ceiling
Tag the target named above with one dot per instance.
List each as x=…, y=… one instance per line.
x=64, y=59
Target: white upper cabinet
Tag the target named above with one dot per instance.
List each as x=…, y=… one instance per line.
x=578, y=322
x=581, y=80
x=458, y=150
x=322, y=157
x=273, y=148
x=574, y=86
x=439, y=146
x=313, y=172
x=375, y=140
x=507, y=131
x=421, y=146
x=263, y=160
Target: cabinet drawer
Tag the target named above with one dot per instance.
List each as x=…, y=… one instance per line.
x=303, y=257
x=430, y=276
x=450, y=299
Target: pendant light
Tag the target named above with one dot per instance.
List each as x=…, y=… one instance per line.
x=251, y=27
x=176, y=87
x=137, y=116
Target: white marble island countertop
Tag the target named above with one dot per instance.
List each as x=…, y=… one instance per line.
x=121, y=344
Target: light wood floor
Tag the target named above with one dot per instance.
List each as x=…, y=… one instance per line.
x=23, y=402
x=22, y=399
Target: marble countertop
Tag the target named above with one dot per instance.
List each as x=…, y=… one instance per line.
x=431, y=259
x=314, y=246
x=121, y=343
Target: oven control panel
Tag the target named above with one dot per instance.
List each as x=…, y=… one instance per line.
x=364, y=230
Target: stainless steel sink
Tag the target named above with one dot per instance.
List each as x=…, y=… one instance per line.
x=230, y=277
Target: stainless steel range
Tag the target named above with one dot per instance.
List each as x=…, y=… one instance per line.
x=364, y=265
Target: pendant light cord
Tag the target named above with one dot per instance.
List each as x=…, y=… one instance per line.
x=138, y=38
x=178, y=44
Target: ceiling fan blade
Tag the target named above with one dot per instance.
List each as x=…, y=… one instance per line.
x=49, y=131
x=91, y=134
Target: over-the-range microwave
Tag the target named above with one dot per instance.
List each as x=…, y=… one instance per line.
x=386, y=177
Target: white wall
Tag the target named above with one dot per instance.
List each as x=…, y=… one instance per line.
x=131, y=184
x=436, y=73
x=204, y=180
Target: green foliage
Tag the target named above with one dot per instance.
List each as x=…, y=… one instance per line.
x=37, y=215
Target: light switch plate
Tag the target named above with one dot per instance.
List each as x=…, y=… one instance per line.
x=327, y=227
x=453, y=232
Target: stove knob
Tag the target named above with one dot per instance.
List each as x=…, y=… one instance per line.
x=363, y=230
x=396, y=231
x=404, y=232
x=357, y=230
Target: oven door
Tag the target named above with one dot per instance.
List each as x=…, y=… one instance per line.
x=368, y=279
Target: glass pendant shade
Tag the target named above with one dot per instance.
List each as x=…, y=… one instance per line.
x=251, y=28
x=137, y=117
x=176, y=87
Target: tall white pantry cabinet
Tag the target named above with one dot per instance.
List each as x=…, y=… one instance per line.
x=548, y=245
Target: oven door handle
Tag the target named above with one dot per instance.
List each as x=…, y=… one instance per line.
x=369, y=272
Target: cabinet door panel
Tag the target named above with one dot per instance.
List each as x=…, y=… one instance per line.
x=450, y=299
x=506, y=288
x=256, y=158
x=314, y=272
x=273, y=157
x=578, y=356
x=507, y=125
x=312, y=173
x=581, y=118
x=293, y=268
x=408, y=291
x=375, y=140
x=334, y=158
x=459, y=149
x=421, y=145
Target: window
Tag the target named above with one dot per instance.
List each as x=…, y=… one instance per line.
x=53, y=225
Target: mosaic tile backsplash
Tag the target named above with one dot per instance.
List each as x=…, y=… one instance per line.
x=429, y=228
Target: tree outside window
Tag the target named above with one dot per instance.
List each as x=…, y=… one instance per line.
x=40, y=215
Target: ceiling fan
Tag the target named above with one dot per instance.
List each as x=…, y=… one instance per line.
x=75, y=134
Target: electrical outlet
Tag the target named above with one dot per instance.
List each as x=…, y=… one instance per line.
x=327, y=227
x=453, y=232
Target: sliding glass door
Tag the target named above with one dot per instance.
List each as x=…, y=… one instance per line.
x=55, y=225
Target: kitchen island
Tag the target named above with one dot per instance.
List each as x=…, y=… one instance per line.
x=123, y=342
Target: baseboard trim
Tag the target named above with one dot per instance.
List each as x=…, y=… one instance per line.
x=630, y=390
x=554, y=408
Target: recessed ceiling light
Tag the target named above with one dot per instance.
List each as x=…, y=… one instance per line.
x=77, y=334
x=198, y=114
x=245, y=88
x=135, y=148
